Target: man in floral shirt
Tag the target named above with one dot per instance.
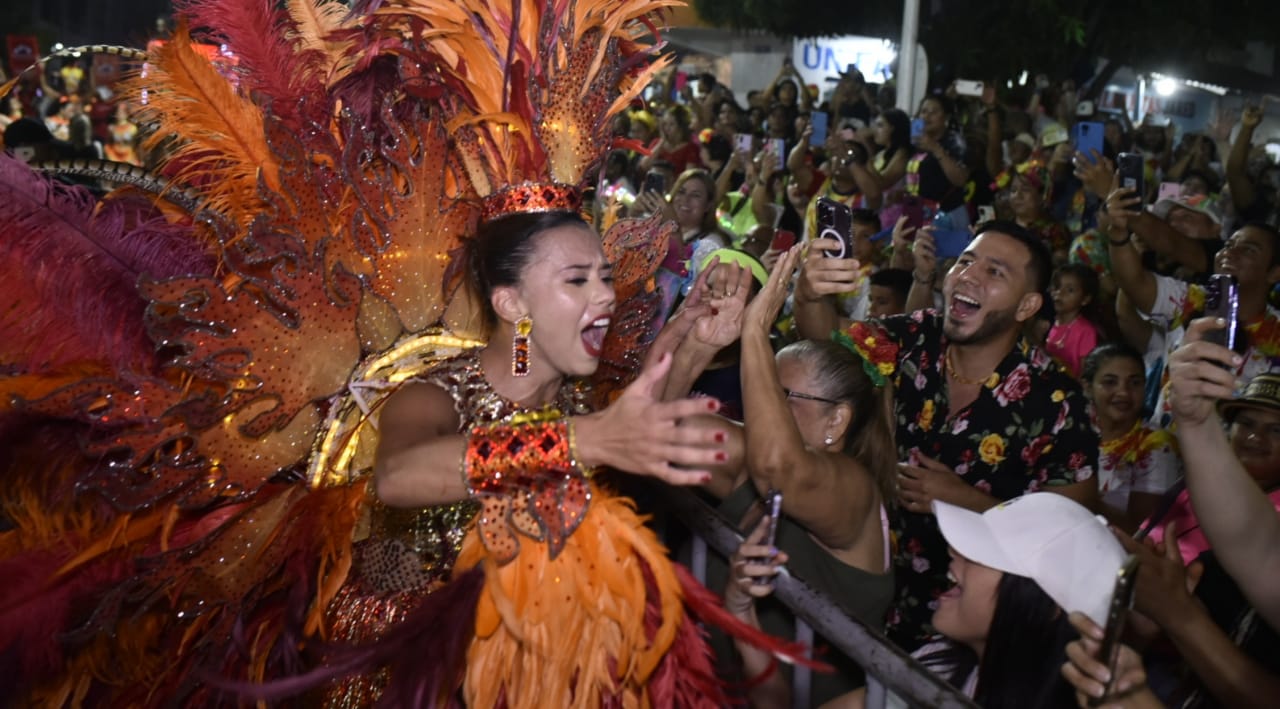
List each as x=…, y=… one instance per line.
x=982, y=416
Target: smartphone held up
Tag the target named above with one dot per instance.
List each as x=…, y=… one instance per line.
x=655, y=182
x=835, y=221
x=772, y=511
x=1117, y=616
x=1222, y=300
x=1132, y=167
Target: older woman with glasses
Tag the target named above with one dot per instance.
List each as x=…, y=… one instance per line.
x=817, y=429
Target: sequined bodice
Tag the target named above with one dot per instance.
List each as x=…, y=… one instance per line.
x=434, y=534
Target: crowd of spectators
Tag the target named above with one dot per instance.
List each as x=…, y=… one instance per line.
x=62, y=111
x=1037, y=307
x=1021, y=345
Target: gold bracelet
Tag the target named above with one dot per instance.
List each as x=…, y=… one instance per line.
x=575, y=459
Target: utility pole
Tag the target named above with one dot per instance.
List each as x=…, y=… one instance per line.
x=906, y=78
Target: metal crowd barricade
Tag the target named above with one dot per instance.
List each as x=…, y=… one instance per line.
x=886, y=666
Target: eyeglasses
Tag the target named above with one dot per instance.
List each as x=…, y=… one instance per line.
x=808, y=397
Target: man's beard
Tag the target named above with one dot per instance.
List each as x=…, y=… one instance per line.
x=994, y=324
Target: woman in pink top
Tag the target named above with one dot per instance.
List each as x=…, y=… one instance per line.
x=1075, y=331
x=1254, y=432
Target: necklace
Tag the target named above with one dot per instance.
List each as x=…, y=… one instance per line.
x=951, y=372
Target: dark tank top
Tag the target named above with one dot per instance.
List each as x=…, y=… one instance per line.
x=862, y=595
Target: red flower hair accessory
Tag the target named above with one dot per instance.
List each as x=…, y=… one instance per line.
x=879, y=355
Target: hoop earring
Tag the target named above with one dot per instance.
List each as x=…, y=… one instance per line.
x=520, y=347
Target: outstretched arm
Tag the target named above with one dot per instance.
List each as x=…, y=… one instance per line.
x=827, y=493
x=1136, y=282
x=1242, y=192
x=1237, y=517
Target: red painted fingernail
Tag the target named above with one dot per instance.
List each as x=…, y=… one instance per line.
x=719, y=436
x=721, y=457
x=713, y=405
x=705, y=478
x=715, y=311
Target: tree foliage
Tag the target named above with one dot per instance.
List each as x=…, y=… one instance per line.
x=983, y=39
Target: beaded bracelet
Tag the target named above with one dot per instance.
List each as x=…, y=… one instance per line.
x=518, y=454
x=574, y=458
x=524, y=472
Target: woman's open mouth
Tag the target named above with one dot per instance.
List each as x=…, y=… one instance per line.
x=593, y=336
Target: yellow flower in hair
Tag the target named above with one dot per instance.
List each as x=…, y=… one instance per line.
x=991, y=449
x=925, y=419
x=1058, y=396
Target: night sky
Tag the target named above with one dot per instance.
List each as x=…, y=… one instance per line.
x=128, y=22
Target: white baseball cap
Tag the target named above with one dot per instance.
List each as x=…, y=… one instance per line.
x=1051, y=539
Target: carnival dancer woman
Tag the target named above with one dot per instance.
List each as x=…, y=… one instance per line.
x=547, y=288
x=319, y=343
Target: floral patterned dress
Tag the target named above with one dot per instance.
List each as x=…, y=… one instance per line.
x=1142, y=460
x=1029, y=429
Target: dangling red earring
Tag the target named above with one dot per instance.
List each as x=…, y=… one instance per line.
x=520, y=347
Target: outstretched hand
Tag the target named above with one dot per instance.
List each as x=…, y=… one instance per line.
x=763, y=310
x=726, y=293
x=639, y=433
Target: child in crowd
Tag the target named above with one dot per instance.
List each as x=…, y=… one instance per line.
x=1136, y=463
x=889, y=290
x=1075, y=330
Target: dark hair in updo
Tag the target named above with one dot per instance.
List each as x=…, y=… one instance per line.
x=500, y=250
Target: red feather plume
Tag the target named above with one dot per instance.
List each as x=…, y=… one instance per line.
x=69, y=273
x=256, y=32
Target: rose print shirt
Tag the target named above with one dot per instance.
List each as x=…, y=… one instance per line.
x=1028, y=429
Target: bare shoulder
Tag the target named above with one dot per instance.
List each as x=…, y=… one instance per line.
x=415, y=411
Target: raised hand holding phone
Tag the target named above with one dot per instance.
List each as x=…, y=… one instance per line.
x=752, y=569
x=835, y=221
x=925, y=253
x=1122, y=204
x=1200, y=374
x=1117, y=615
x=1132, y=170
x=817, y=128
x=772, y=513
x=1088, y=675
x=1088, y=139
x=1222, y=301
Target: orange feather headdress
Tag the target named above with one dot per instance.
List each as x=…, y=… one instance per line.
x=535, y=87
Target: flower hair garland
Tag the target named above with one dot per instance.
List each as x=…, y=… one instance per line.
x=879, y=356
x=1034, y=170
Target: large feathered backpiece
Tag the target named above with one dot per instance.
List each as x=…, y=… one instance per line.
x=166, y=371
x=173, y=356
